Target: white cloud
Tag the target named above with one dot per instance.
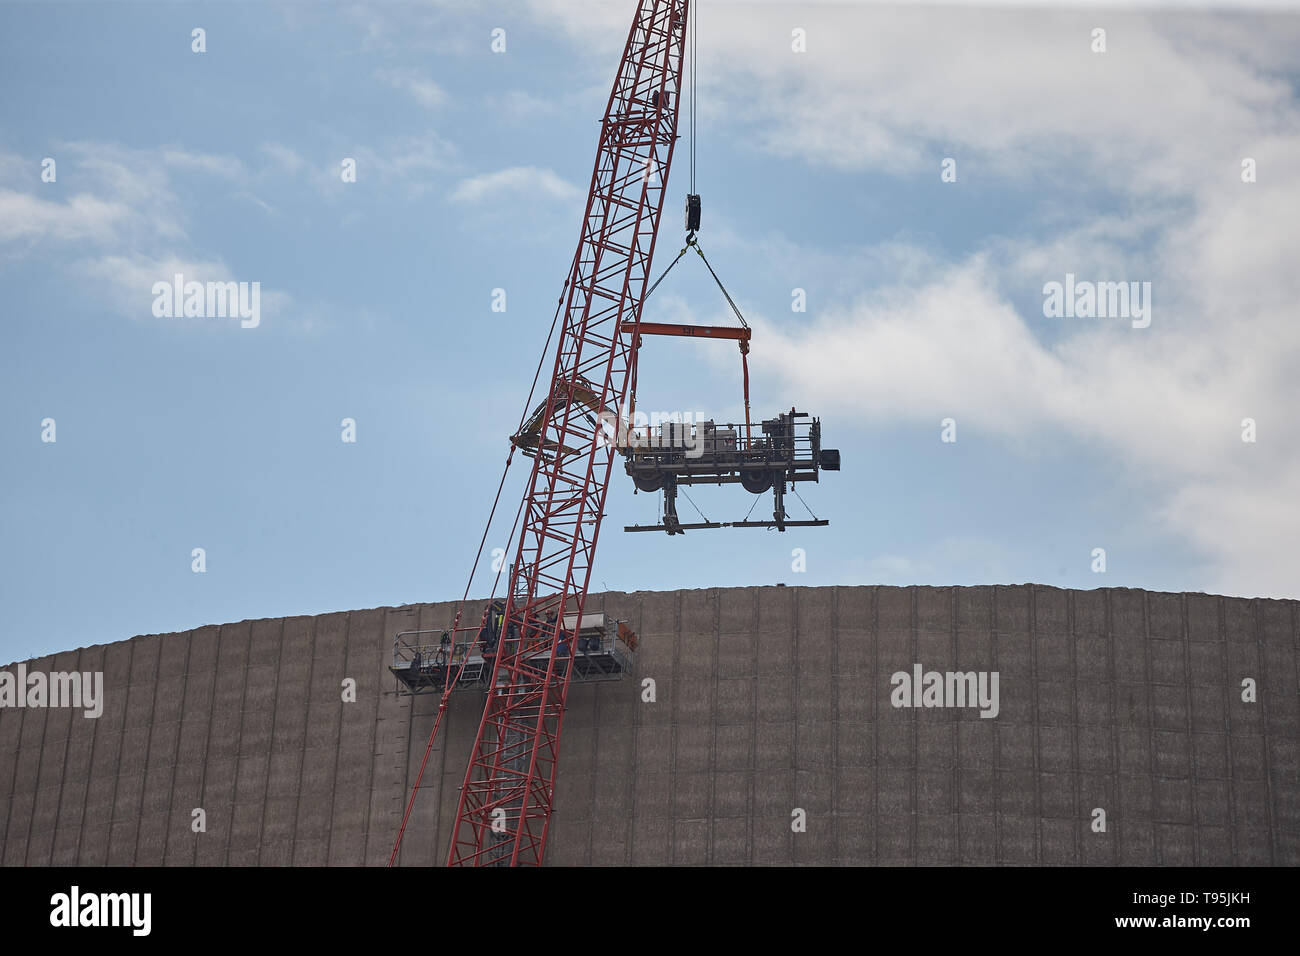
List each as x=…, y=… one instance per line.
x=227, y=167
x=130, y=280
x=517, y=180
x=129, y=217
x=414, y=84
x=1160, y=123
x=1164, y=403
x=890, y=87
x=83, y=216
x=409, y=162
x=284, y=157
x=521, y=104
x=122, y=196
x=1248, y=521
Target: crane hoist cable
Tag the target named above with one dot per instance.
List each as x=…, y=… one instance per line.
x=692, y=226
x=695, y=59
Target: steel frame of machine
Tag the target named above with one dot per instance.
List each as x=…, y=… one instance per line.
x=789, y=451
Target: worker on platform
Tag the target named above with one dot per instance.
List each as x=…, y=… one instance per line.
x=444, y=648
x=561, y=637
x=490, y=633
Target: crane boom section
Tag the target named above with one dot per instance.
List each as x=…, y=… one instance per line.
x=507, y=798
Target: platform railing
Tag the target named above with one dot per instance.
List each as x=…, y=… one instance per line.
x=599, y=653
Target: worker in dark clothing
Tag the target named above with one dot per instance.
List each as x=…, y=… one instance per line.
x=561, y=637
x=562, y=645
x=444, y=648
x=490, y=633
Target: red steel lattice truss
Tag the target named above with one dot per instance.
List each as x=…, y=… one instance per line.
x=508, y=794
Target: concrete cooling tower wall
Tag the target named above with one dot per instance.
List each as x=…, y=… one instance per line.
x=1130, y=728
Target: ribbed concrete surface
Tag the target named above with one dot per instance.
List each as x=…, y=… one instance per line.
x=768, y=699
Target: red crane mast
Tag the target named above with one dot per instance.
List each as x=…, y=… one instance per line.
x=508, y=794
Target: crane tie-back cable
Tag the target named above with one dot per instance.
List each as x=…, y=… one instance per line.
x=509, y=458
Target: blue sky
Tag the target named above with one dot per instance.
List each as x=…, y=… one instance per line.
x=819, y=170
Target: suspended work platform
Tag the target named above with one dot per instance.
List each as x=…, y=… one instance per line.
x=425, y=661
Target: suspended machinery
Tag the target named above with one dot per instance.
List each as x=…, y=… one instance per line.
x=530, y=644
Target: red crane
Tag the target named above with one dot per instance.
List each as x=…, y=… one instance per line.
x=508, y=793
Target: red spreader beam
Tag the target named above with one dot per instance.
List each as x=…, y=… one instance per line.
x=741, y=335
x=691, y=331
